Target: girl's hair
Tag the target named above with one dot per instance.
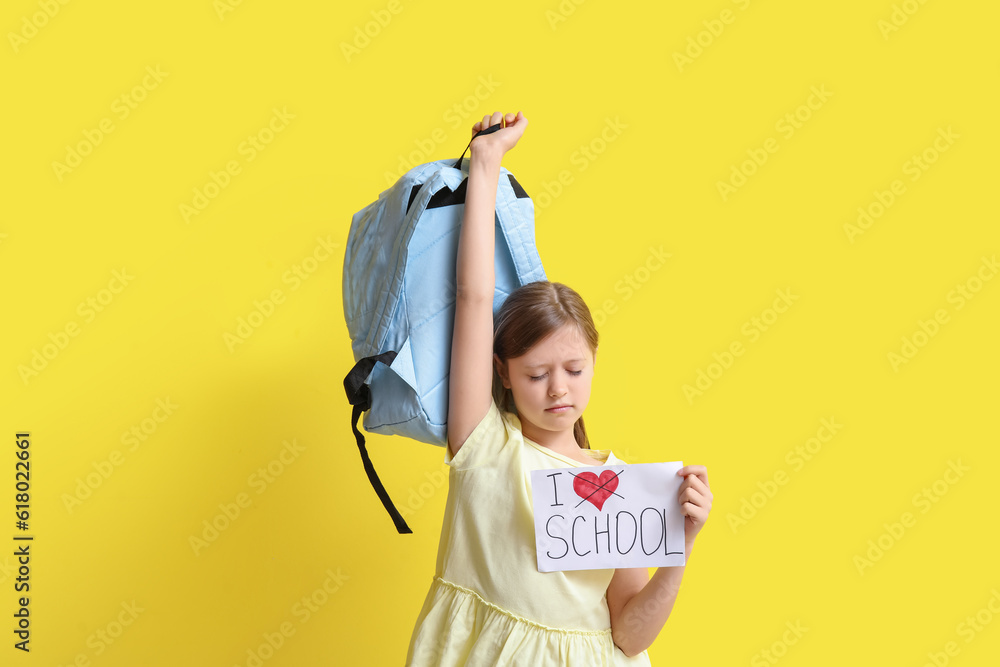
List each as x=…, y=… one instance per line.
x=529, y=314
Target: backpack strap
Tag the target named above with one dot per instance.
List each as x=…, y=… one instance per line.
x=490, y=130
x=360, y=396
x=517, y=224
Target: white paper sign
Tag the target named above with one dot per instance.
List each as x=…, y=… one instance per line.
x=600, y=517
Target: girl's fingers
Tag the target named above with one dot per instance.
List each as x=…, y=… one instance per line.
x=693, y=491
x=694, y=482
x=695, y=496
x=692, y=496
x=700, y=471
x=497, y=117
x=694, y=513
x=504, y=140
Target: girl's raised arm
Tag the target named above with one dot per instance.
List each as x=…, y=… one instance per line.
x=470, y=379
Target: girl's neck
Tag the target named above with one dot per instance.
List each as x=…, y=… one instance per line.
x=560, y=442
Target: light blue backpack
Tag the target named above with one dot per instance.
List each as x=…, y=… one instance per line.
x=399, y=298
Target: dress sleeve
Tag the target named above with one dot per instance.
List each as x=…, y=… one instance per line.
x=614, y=460
x=483, y=444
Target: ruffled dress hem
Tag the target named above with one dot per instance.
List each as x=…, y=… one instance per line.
x=459, y=627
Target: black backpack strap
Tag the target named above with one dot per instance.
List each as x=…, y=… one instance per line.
x=360, y=396
x=490, y=130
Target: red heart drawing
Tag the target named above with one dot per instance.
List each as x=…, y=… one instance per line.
x=589, y=487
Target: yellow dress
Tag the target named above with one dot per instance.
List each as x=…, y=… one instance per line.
x=488, y=605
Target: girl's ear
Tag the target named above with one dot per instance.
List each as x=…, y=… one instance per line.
x=501, y=370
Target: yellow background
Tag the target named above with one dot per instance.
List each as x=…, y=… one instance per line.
x=359, y=116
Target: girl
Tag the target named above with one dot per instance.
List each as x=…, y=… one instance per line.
x=488, y=603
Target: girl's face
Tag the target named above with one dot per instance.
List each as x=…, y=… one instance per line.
x=557, y=371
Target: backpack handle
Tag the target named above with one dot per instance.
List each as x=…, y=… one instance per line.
x=520, y=241
x=490, y=130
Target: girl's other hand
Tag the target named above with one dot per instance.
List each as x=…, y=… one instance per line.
x=501, y=140
x=695, y=499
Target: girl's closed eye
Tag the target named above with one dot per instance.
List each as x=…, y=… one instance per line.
x=544, y=375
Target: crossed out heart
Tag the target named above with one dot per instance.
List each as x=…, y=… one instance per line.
x=595, y=489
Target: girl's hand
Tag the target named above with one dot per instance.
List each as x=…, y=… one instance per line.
x=501, y=140
x=695, y=499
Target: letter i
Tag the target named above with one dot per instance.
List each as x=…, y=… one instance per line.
x=555, y=489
